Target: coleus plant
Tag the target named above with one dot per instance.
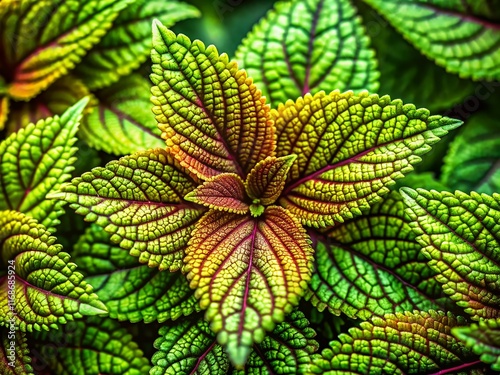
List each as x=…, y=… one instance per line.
x=259, y=207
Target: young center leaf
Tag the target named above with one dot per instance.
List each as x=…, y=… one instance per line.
x=213, y=118
x=349, y=149
x=372, y=265
x=460, y=236
x=130, y=290
x=308, y=46
x=457, y=35
x=14, y=352
x=47, y=289
x=43, y=40
x=139, y=201
x=401, y=344
x=35, y=162
x=248, y=272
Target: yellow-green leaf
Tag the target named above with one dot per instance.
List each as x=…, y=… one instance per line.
x=14, y=352
x=248, y=272
x=213, y=118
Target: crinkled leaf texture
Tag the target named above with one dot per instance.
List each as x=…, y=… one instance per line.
x=403, y=344
x=92, y=346
x=128, y=43
x=35, y=162
x=460, y=235
x=122, y=123
x=43, y=40
x=14, y=353
x=190, y=347
x=483, y=339
x=213, y=118
x=130, y=290
x=139, y=201
x=308, y=46
x=47, y=289
x=248, y=273
x=372, y=265
x=349, y=149
x=456, y=35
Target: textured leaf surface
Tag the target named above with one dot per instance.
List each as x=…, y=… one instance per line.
x=188, y=347
x=225, y=192
x=93, y=346
x=454, y=35
x=130, y=290
x=128, y=43
x=473, y=159
x=14, y=353
x=212, y=116
x=372, y=265
x=410, y=343
x=350, y=149
x=266, y=181
x=47, y=289
x=139, y=201
x=248, y=272
x=36, y=161
x=123, y=123
x=308, y=46
x=43, y=40
x=483, y=339
x=460, y=235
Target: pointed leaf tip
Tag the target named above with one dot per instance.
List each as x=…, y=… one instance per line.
x=97, y=308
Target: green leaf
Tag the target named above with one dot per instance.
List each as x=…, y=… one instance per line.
x=309, y=46
x=415, y=180
x=131, y=291
x=266, y=181
x=47, y=289
x=286, y=350
x=14, y=352
x=188, y=347
x=409, y=343
x=123, y=123
x=213, y=117
x=473, y=159
x=127, y=45
x=249, y=272
x=453, y=34
x=225, y=192
x=372, y=265
x=459, y=234
x=139, y=201
x=93, y=346
x=350, y=149
x=36, y=161
x=43, y=40
x=483, y=339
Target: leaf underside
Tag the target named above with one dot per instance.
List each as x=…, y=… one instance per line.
x=460, y=235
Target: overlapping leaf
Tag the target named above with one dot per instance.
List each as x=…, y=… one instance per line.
x=14, y=353
x=460, y=235
x=372, y=265
x=131, y=291
x=212, y=116
x=128, y=43
x=47, y=289
x=308, y=46
x=248, y=272
x=473, y=159
x=92, y=346
x=454, y=34
x=410, y=343
x=36, y=161
x=123, y=123
x=483, y=339
x=139, y=201
x=43, y=40
x=350, y=149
